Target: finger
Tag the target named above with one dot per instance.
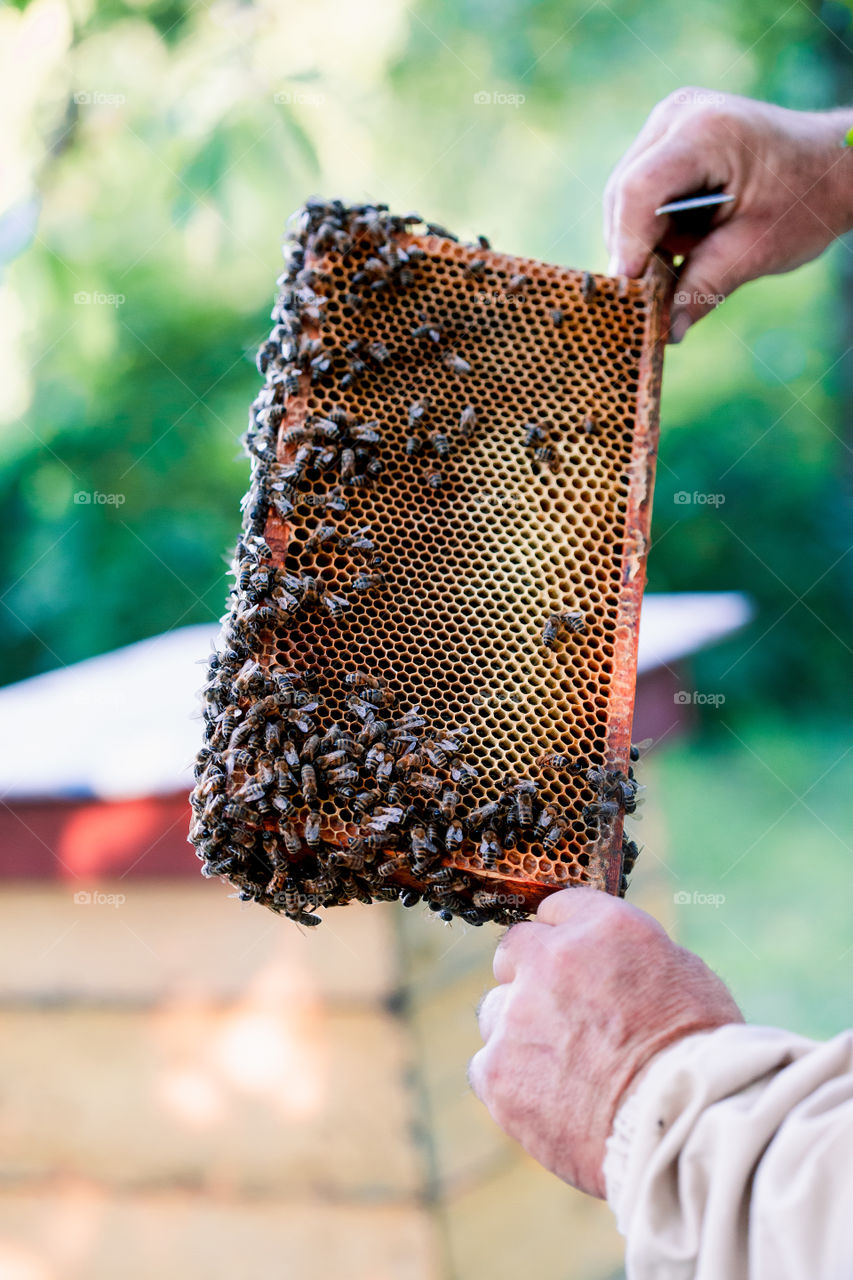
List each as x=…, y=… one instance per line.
x=491, y=1010
x=477, y=1073
x=570, y=904
x=654, y=127
x=666, y=170
x=519, y=942
x=591, y=908
x=726, y=258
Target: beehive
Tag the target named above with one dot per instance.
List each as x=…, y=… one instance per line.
x=452, y=448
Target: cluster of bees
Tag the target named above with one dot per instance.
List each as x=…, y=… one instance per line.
x=275, y=761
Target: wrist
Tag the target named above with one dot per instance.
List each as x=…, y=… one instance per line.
x=831, y=195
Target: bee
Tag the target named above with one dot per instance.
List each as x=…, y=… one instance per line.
x=359, y=679
x=359, y=543
x=377, y=755
x=467, y=421
x=379, y=352
x=435, y=229
x=590, y=425
x=331, y=501
x=365, y=433
x=434, y=478
x=555, y=832
x=464, y=775
x=363, y=582
x=548, y=815
x=476, y=268
x=374, y=841
x=483, y=242
x=600, y=811
x=517, y=284
x=312, y=828
x=409, y=897
x=490, y=848
x=426, y=784
x=213, y=808
x=414, y=446
x=334, y=605
x=557, y=316
x=409, y=720
x=440, y=443
x=630, y=854
x=364, y=801
x=533, y=435
x=454, y=834
x=485, y=898
x=292, y=382
x=419, y=411
x=379, y=697
x=429, y=329
x=392, y=865
x=390, y=816
x=484, y=813
x=308, y=782
x=637, y=748
x=588, y=286
x=347, y=465
x=341, y=779
x=448, y=803
x=236, y=811
x=560, y=761
x=455, y=363
x=323, y=535
x=560, y=625
x=545, y=455
x=523, y=794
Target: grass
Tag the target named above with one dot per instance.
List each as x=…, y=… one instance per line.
x=763, y=817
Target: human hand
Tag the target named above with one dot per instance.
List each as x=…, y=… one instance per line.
x=589, y=992
x=791, y=179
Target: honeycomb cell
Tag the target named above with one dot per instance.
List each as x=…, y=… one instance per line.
x=451, y=447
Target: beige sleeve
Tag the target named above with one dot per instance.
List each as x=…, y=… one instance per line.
x=733, y=1160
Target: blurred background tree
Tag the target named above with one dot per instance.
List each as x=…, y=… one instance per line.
x=153, y=150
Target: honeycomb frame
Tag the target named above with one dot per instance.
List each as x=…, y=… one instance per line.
x=472, y=553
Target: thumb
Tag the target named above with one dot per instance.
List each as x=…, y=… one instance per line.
x=720, y=262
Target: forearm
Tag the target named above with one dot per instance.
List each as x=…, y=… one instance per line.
x=734, y=1158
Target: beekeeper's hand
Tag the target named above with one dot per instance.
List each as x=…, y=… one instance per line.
x=791, y=178
x=588, y=993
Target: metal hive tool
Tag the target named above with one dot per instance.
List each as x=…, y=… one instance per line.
x=424, y=685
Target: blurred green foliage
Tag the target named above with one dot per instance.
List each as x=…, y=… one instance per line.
x=167, y=142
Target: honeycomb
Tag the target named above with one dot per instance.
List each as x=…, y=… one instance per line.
x=424, y=685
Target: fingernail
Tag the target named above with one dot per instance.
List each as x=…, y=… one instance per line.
x=678, y=326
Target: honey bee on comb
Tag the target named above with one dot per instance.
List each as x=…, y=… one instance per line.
x=395, y=708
